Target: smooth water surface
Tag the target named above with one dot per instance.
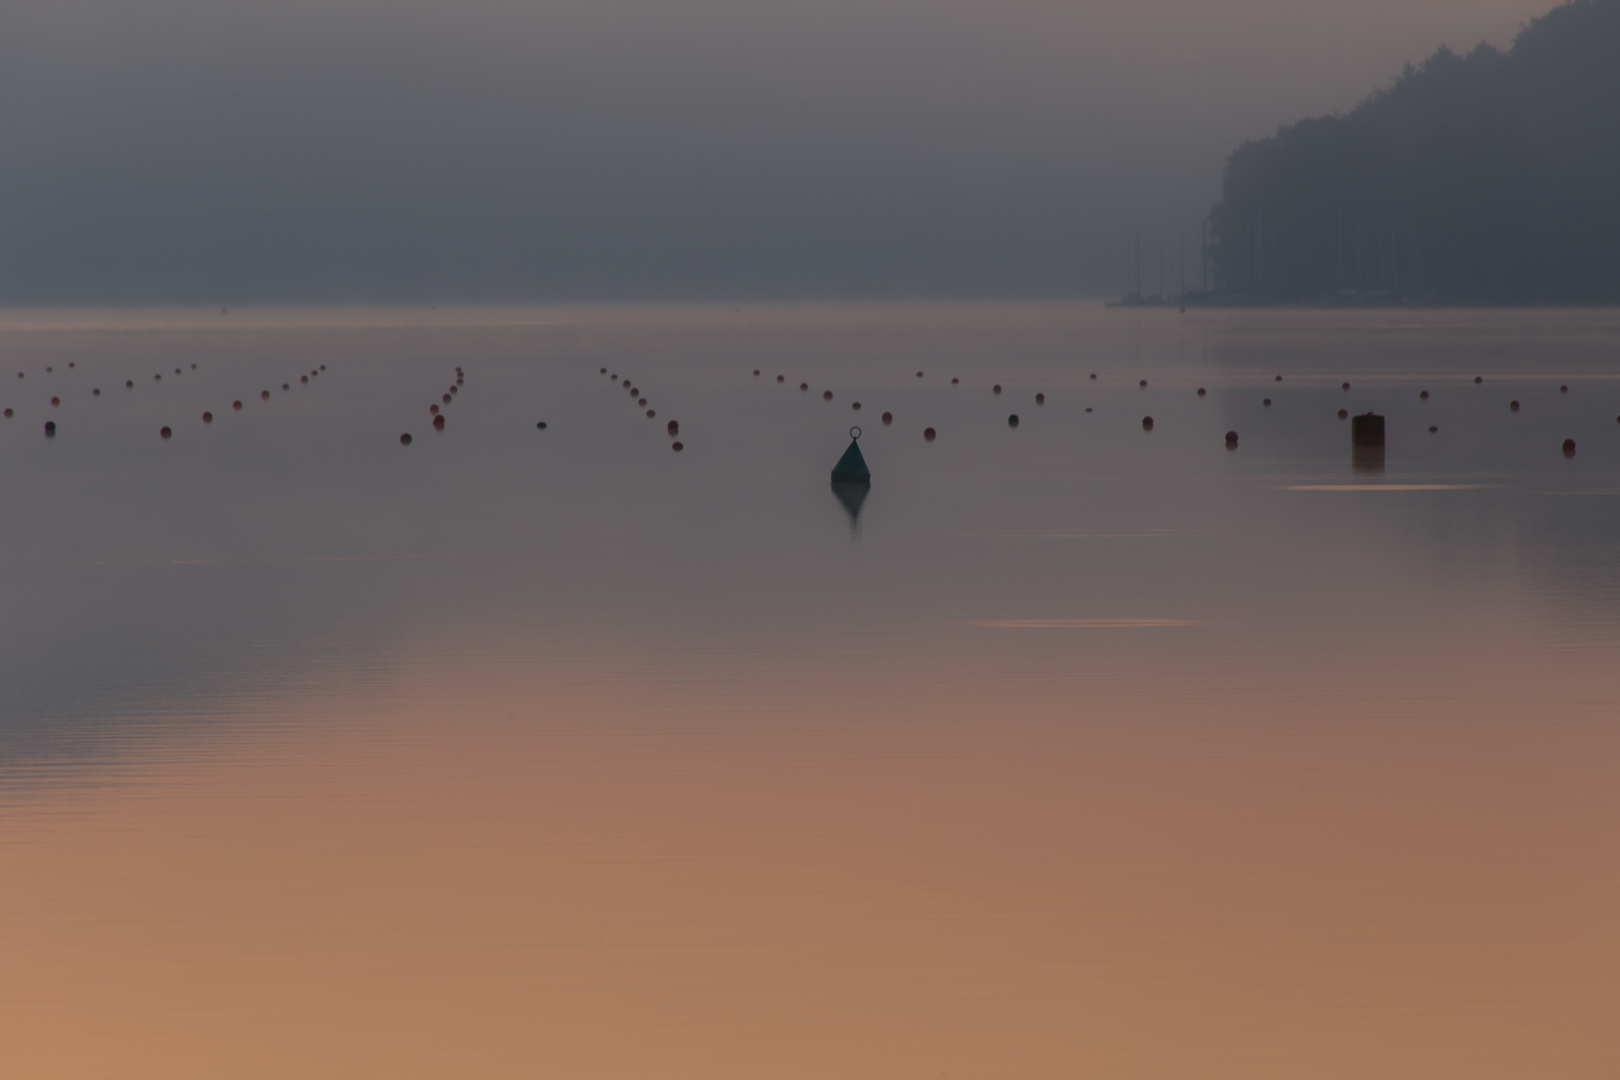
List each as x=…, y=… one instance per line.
x=1078, y=750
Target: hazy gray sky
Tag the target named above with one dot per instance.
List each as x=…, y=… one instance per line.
x=225, y=151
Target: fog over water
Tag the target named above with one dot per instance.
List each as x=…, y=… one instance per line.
x=180, y=151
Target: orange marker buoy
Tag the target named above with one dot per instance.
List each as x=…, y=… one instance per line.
x=888, y=418
x=677, y=447
x=928, y=434
x=165, y=433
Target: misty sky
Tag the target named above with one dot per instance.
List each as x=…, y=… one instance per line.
x=230, y=151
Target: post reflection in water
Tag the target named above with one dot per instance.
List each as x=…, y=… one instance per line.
x=852, y=496
x=561, y=754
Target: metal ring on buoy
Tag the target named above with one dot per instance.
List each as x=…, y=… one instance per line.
x=854, y=432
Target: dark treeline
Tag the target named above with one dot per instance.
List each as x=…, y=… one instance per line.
x=1491, y=178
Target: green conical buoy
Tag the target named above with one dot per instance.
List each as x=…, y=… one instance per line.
x=851, y=468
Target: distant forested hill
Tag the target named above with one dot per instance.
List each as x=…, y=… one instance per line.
x=1491, y=178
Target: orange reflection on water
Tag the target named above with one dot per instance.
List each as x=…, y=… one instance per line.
x=985, y=869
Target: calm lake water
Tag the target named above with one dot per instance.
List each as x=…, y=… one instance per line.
x=1082, y=751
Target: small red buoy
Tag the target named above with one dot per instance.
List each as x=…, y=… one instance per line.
x=323, y=367
x=304, y=379
x=1513, y=406
x=438, y=423
x=1344, y=386
x=237, y=405
x=1147, y=423
x=919, y=374
x=1088, y=408
x=447, y=399
x=49, y=369
x=642, y=403
x=651, y=413
x=177, y=371
x=165, y=433
x=996, y=389
x=157, y=378
x=1569, y=447
x=433, y=410
x=1433, y=429
x=928, y=434
x=19, y=374
x=677, y=447
x=1040, y=399
x=1563, y=389
x=1279, y=378
x=888, y=418
x=1266, y=403
x=129, y=384
x=604, y=371
x=264, y=395
x=1093, y=374
x=1142, y=382
x=1343, y=414
x=457, y=390
x=1012, y=421
x=855, y=405
x=1478, y=380
x=674, y=428
x=208, y=418
x=826, y=395
x=804, y=386
x=96, y=392
x=71, y=365
x=627, y=384
x=1423, y=396
x=9, y=414
x=779, y=378
x=284, y=386
x=55, y=401
x=1201, y=391
x=1231, y=439
x=405, y=439
x=955, y=380
x=756, y=371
